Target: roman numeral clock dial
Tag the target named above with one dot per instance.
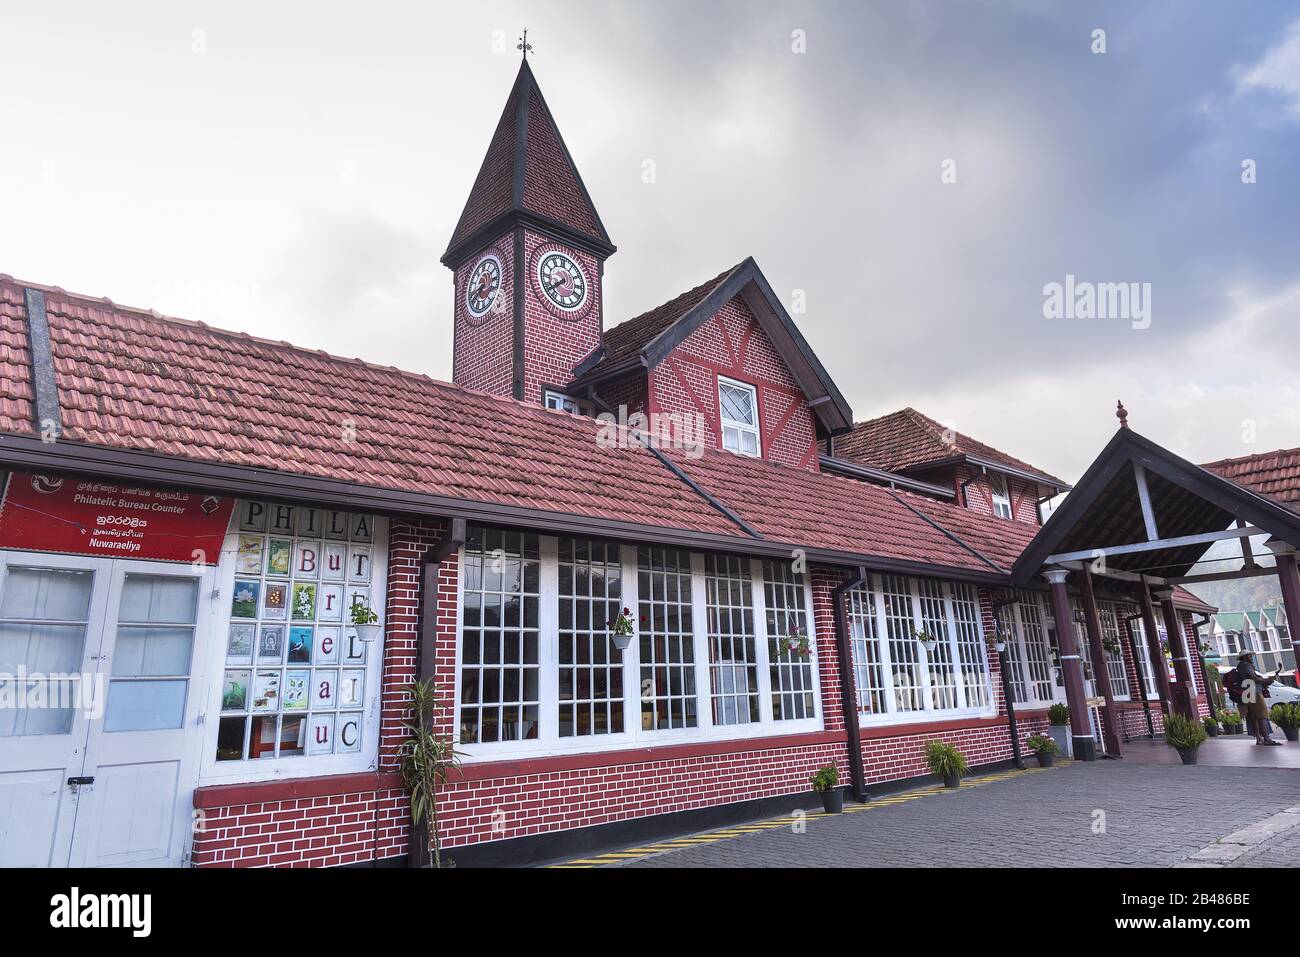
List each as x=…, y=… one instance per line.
x=484, y=286
x=562, y=281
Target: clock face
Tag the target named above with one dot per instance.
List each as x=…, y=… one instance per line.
x=484, y=286
x=562, y=280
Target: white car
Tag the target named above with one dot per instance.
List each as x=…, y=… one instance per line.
x=1277, y=691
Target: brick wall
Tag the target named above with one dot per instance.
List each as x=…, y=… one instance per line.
x=554, y=340
x=733, y=344
x=979, y=495
x=482, y=348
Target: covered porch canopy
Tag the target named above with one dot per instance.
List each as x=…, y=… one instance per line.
x=1142, y=517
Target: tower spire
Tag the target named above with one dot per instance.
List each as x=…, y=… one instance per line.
x=524, y=45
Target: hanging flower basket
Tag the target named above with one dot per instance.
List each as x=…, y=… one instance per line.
x=796, y=644
x=926, y=639
x=620, y=629
x=1111, y=645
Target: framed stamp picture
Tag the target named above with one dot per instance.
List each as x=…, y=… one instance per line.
x=266, y=691
x=243, y=603
x=304, y=601
x=300, y=645
x=239, y=643
x=248, y=560
x=270, y=643
x=278, y=555
x=234, y=692
x=275, y=602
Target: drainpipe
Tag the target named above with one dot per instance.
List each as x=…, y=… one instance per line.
x=1137, y=670
x=417, y=846
x=848, y=690
x=1001, y=643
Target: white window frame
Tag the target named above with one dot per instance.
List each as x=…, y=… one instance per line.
x=1137, y=629
x=1001, y=498
x=561, y=402
x=249, y=770
x=1114, y=660
x=549, y=743
x=928, y=712
x=725, y=423
x=1018, y=636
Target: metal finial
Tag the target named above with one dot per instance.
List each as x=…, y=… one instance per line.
x=524, y=45
x=1121, y=413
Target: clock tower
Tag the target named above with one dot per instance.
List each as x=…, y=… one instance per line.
x=528, y=255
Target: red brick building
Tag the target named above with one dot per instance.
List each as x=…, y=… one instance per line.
x=186, y=535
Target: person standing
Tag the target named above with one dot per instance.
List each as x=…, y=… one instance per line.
x=1253, y=697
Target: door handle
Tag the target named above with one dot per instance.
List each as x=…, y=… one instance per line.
x=78, y=782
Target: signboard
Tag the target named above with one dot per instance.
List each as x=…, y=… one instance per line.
x=51, y=513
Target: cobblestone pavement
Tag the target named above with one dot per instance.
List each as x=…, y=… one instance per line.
x=1154, y=815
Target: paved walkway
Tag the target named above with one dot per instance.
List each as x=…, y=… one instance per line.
x=1106, y=814
x=1229, y=751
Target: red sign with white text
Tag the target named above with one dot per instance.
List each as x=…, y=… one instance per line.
x=51, y=513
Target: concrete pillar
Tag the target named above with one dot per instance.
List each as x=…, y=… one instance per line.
x=1092, y=623
x=1177, y=647
x=1085, y=745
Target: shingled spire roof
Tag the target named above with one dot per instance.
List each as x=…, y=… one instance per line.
x=527, y=176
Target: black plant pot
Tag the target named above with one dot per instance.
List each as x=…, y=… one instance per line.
x=1045, y=758
x=832, y=800
x=1188, y=755
x=1212, y=730
x=1292, y=734
x=952, y=780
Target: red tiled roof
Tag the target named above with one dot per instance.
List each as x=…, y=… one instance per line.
x=907, y=439
x=551, y=185
x=130, y=379
x=1274, y=475
x=817, y=510
x=628, y=338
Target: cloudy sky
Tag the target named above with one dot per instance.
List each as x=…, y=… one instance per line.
x=295, y=169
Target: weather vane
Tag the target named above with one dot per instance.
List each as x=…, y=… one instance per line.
x=524, y=44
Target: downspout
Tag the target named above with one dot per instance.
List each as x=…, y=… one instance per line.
x=1137, y=670
x=417, y=843
x=848, y=687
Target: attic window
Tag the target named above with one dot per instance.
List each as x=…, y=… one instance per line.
x=562, y=402
x=739, y=406
x=1001, y=497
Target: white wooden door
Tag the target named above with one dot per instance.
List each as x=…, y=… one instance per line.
x=107, y=781
x=143, y=752
x=51, y=614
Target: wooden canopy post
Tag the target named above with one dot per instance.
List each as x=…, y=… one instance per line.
x=1092, y=622
x=1085, y=745
x=1288, y=577
x=1154, y=651
x=1178, y=648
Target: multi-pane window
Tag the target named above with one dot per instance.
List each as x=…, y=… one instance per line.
x=590, y=593
x=295, y=680
x=899, y=672
x=1138, y=631
x=562, y=402
x=499, y=684
x=44, y=613
x=904, y=655
x=787, y=619
x=1000, y=495
x=1033, y=648
x=1114, y=658
x=666, y=624
x=868, y=667
x=738, y=404
x=934, y=622
x=971, y=652
x=733, y=652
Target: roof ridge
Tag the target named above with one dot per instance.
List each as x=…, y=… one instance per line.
x=1252, y=456
x=681, y=295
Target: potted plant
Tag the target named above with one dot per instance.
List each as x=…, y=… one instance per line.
x=365, y=621
x=1286, y=715
x=946, y=762
x=427, y=756
x=1184, y=735
x=1231, y=722
x=1044, y=749
x=1211, y=727
x=927, y=640
x=621, y=629
x=1058, y=720
x=824, y=783
x=796, y=644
